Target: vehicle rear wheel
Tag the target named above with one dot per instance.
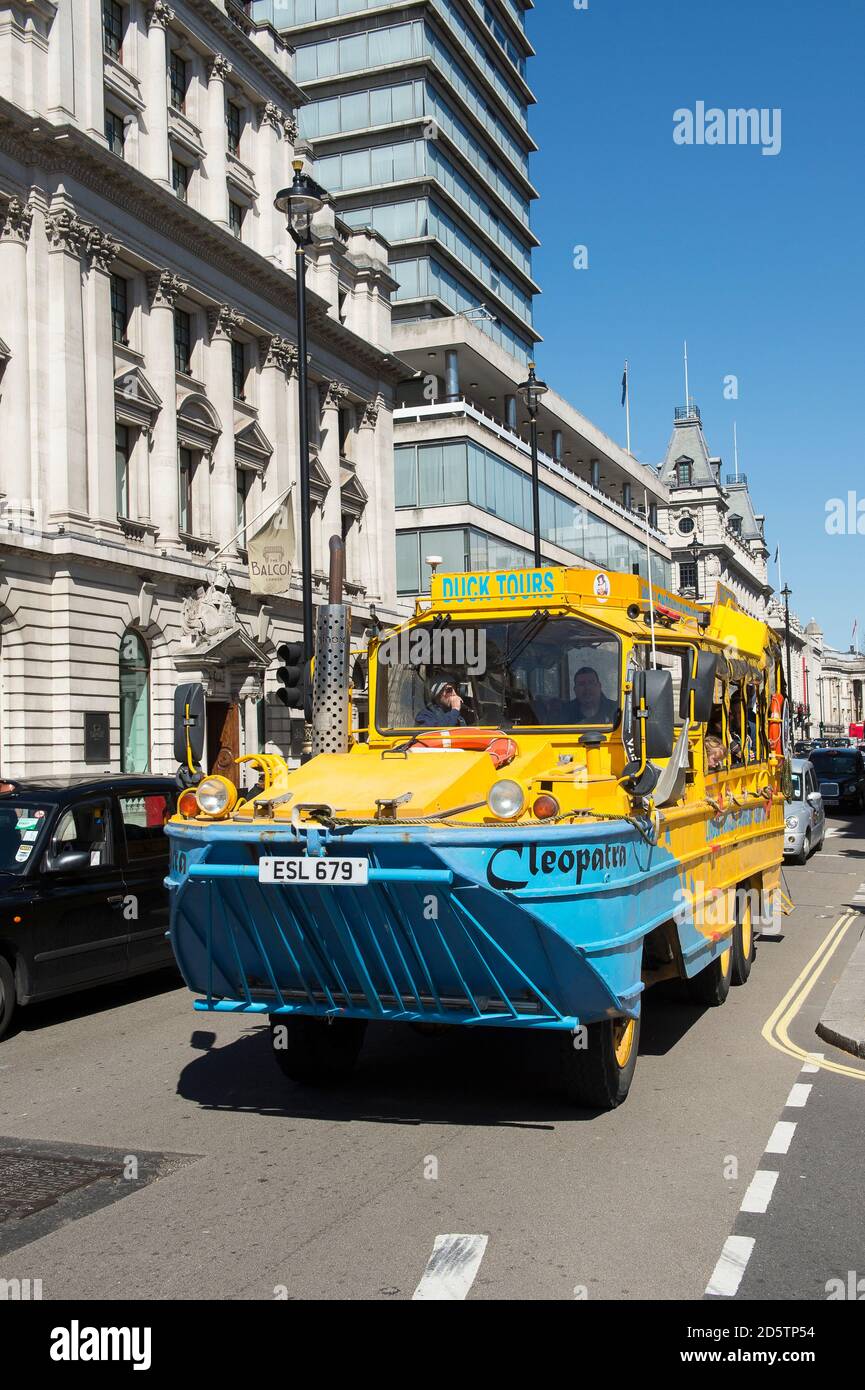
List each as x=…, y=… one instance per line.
x=802, y=856
x=743, y=936
x=598, y=1076
x=316, y=1051
x=712, y=985
x=7, y=996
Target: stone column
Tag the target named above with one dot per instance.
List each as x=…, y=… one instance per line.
x=385, y=511
x=15, y=481
x=332, y=395
x=271, y=175
x=277, y=358
x=220, y=392
x=163, y=289
x=67, y=425
x=155, y=152
x=215, y=142
x=371, y=541
x=100, y=251
x=142, y=474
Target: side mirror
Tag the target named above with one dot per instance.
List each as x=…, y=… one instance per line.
x=702, y=682
x=69, y=861
x=815, y=798
x=654, y=689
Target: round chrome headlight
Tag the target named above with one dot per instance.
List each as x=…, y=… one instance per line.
x=506, y=799
x=215, y=796
x=792, y=822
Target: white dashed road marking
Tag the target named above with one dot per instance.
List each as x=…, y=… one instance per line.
x=781, y=1137
x=760, y=1190
x=731, y=1266
x=452, y=1268
x=812, y=1066
x=799, y=1094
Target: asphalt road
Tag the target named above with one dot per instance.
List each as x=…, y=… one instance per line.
x=257, y=1188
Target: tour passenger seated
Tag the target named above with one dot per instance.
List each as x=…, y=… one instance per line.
x=590, y=705
x=443, y=707
x=715, y=753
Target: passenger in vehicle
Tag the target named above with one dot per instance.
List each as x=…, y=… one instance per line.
x=716, y=753
x=590, y=705
x=443, y=707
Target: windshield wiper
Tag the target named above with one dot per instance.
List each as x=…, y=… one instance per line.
x=534, y=625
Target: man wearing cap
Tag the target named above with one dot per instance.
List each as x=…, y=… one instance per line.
x=442, y=709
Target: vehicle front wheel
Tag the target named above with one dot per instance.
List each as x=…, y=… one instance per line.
x=316, y=1051
x=743, y=937
x=596, y=1067
x=805, y=851
x=7, y=996
x=712, y=985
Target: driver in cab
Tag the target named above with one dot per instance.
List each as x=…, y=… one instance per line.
x=590, y=705
x=443, y=709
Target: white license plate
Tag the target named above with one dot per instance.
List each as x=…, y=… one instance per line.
x=314, y=873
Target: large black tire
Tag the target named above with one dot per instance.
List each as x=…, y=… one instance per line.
x=743, y=935
x=316, y=1051
x=805, y=852
x=711, y=987
x=598, y=1076
x=8, y=999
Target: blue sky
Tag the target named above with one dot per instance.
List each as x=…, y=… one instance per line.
x=755, y=259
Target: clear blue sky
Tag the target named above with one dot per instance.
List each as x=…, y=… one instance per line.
x=756, y=260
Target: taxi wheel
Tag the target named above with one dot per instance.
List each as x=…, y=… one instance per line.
x=712, y=985
x=804, y=853
x=743, y=936
x=7, y=996
x=316, y=1051
x=599, y=1074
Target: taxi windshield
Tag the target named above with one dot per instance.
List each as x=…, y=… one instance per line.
x=536, y=671
x=22, y=824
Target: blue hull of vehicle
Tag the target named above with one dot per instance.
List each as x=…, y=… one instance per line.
x=535, y=927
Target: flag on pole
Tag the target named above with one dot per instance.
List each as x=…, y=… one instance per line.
x=855, y=630
x=625, y=384
x=777, y=553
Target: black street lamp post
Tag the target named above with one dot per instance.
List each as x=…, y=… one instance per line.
x=695, y=552
x=298, y=204
x=787, y=591
x=530, y=392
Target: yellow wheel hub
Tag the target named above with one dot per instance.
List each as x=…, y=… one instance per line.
x=623, y=1040
x=747, y=931
x=725, y=960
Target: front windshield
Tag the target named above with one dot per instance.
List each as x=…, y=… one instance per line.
x=22, y=824
x=541, y=670
x=835, y=763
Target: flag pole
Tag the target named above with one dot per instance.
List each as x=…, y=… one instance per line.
x=687, y=394
x=628, y=405
x=735, y=451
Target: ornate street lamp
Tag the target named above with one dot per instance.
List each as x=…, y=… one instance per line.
x=695, y=553
x=787, y=591
x=530, y=392
x=299, y=204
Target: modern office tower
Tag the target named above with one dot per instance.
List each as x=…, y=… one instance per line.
x=418, y=119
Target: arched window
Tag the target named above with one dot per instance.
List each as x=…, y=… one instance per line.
x=134, y=703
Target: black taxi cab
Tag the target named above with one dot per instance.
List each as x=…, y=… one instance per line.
x=82, y=897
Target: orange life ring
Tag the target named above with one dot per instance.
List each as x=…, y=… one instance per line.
x=776, y=723
x=501, y=749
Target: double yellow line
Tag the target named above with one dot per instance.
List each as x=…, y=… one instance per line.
x=776, y=1027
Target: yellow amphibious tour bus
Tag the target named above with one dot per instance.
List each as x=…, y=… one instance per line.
x=570, y=788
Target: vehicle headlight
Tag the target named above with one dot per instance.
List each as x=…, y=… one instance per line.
x=215, y=796
x=506, y=799
x=792, y=822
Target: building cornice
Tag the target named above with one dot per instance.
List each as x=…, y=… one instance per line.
x=65, y=149
x=234, y=37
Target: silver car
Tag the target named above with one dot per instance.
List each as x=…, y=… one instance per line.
x=805, y=828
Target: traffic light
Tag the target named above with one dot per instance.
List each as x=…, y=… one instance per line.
x=292, y=675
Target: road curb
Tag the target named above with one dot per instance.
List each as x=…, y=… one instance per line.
x=843, y=1020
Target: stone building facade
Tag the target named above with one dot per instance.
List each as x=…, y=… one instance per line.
x=715, y=535
x=148, y=392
